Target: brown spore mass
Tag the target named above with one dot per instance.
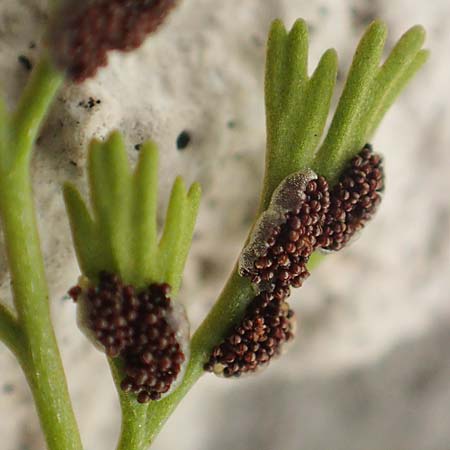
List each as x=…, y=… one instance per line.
x=326, y=218
x=84, y=32
x=135, y=325
x=290, y=245
x=268, y=324
x=354, y=199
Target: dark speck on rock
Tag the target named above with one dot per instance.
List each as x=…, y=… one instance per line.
x=137, y=147
x=8, y=388
x=26, y=63
x=183, y=140
x=73, y=163
x=231, y=124
x=90, y=103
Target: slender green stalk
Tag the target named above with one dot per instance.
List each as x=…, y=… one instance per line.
x=11, y=334
x=134, y=432
x=33, y=106
x=45, y=374
x=38, y=351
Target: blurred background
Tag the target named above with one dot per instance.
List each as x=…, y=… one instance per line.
x=370, y=368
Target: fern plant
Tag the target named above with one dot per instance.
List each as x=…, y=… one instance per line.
x=116, y=231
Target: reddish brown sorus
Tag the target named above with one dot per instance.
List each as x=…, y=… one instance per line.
x=136, y=326
x=82, y=33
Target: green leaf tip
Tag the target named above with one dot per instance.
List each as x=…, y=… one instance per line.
x=370, y=90
x=296, y=105
x=178, y=231
x=120, y=234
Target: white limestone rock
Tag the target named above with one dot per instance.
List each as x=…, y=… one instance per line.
x=203, y=72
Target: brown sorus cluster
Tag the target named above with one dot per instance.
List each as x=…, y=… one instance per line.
x=86, y=31
x=354, y=200
x=326, y=219
x=267, y=325
x=292, y=243
x=136, y=327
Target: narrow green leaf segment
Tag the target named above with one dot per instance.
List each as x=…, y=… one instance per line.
x=369, y=92
x=296, y=105
x=120, y=234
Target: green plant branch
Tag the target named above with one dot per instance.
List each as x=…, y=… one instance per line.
x=134, y=432
x=33, y=107
x=11, y=334
x=45, y=374
x=41, y=361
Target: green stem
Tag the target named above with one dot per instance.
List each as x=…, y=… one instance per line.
x=45, y=372
x=133, y=434
x=34, y=104
x=41, y=362
x=11, y=334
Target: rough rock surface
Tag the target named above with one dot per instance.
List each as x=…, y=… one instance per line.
x=369, y=368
